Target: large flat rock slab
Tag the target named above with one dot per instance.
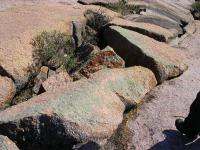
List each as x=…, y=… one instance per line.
x=154, y=128
x=86, y=110
x=152, y=17
x=153, y=31
x=164, y=13
x=6, y=4
x=18, y=27
x=136, y=49
x=166, y=8
x=21, y=23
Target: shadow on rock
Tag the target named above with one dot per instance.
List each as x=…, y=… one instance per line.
x=175, y=141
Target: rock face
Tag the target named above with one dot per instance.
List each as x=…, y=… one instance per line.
x=55, y=81
x=16, y=52
x=168, y=9
x=136, y=49
x=166, y=13
x=154, y=127
x=7, y=90
x=90, y=2
x=105, y=58
x=159, y=20
x=86, y=110
x=7, y=144
x=77, y=33
x=154, y=31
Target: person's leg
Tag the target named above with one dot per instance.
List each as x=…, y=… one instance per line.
x=191, y=125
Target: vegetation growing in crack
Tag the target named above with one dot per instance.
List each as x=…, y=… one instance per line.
x=196, y=10
x=121, y=138
x=55, y=49
x=123, y=8
x=97, y=19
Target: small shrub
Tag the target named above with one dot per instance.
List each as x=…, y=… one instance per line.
x=54, y=49
x=123, y=8
x=196, y=9
x=196, y=6
x=70, y=62
x=96, y=20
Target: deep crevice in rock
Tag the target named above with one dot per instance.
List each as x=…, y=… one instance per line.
x=136, y=57
x=128, y=105
x=144, y=32
x=122, y=137
x=4, y=73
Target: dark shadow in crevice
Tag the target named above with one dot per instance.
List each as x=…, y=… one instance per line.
x=43, y=132
x=183, y=25
x=135, y=57
x=4, y=73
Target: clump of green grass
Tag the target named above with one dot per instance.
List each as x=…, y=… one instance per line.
x=54, y=49
x=196, y=9
x=123, y=8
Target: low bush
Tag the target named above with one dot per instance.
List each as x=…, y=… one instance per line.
x=196, y=10
x=96, y=19
x=196, y=6
x=54, y=49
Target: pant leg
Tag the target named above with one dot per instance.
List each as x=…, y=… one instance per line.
x=192, y=122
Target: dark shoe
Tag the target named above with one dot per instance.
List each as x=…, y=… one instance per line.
x=179, y=123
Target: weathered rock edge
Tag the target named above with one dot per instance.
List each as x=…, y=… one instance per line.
x=7, y=144
x=156, y=32
x=86, y=110
x=136, y=49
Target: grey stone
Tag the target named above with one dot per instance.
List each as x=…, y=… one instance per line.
x=136, y=49
x=82, y=111
x=7, y=144
x=77, y=33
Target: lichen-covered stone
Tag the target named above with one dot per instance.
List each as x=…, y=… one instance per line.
x=82, y=111
x=136, y=49
x=55, y=81
x=106, y=58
